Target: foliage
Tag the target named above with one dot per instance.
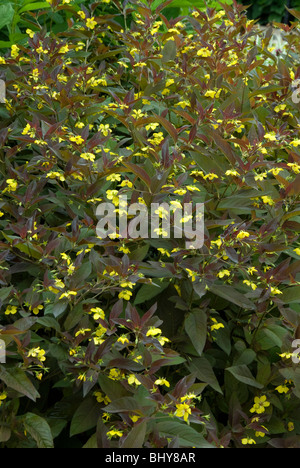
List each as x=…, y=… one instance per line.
x=142, y=343
x=268, y=11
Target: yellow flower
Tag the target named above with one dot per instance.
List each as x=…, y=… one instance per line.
x=100, y=331
x=251, y=284
x=152, y=126
x=153, y=331
x=125, y=295
x=81, y=14
x=29, y=131
x=11, y=310
x=123, y=339
x=102, y=398
x=2, y=61
x=212, y=93
x=216, y=325
x=183, y=411
x=88, y=156
x=260, y=433
x=270, y=136
x=287, y=355
x=77, y=139
x=68, y=294
x=114, y=433
x=79, y=125
x=267, y=200
x=290, y=426
x=232, y=173
x=210, y=176
x=242, y=235
x=105, y=129
x=297, y=251
x=156, y=139
x=260, y=404
x=162, y=382
x=3, y=397
x=275, y=291
x=15, y=51
x=248, y=440
x=115, y=374
x=114, y=177
x=260, y=176
x=82, y=377
x=133, y=380
x=223, y=273
x=162, y=340
x=126, y=183
x=40, y=50
x=135, y=418
x=163, y=251
x=295, y=167
x=58, y=284
x=124, y=249
x=98, y=313
x=91, y=23
x=204, y=52
x=64, y=49
x=180, y=191
x=12, y=185
x=282, y=389
x=82, y=331
x=161, y=232
x=251, y=270
x=192, y=274
x=37, y=352
x=56, y=175
x=279, y=108
x=37, y=309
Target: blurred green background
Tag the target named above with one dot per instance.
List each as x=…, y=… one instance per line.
x=15, y=14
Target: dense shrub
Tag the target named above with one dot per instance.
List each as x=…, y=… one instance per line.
x=115, y=342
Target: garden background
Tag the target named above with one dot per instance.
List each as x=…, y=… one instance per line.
x=121, y=343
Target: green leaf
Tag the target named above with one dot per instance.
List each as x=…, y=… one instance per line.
x=74, y=317
x=232, y=295
x=204, y=372
x=136, y=436
x=188, y=436
x=85, y=417
x=5, y=292
x=139, y=253
x=243, y=374
x=124, y=404
x=16, y=379
x=49, y=322
x=5, y=433
x=148, y=291
x=6, y=14
x=290, y=295
x=112, y=388
x=169, y=51
x=270, y=335
x=34, y=6
x=195, y=326
x=91, y=443
x=39, y=430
